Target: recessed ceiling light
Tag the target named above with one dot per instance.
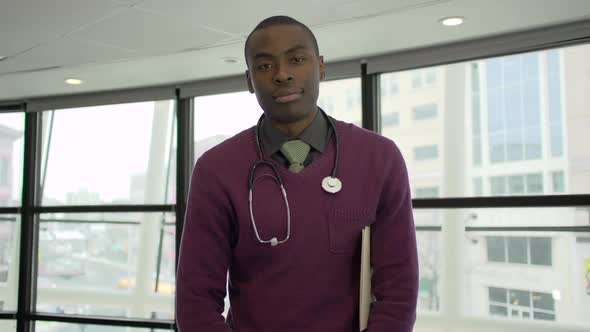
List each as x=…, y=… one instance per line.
x=230, y=60
x=452, y=21
x=74, y=81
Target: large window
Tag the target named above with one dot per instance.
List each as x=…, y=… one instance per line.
x=514, y=121
x=11, y=158
x=430, y=259
x=11, y=165
x=506, y=126
x=9, y=254
x=105, y=155
x=113, y=264
x=84, y=257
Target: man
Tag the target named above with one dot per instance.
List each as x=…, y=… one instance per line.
x=294, y=260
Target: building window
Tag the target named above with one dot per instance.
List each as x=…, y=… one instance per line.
x=522, y=304
x=558, y=181
x=393, y=87
x=475, y=115
x=390, y=119
x=426, y=192
x=389, y=85
x=423, y=78
x=430, y=77
x=513, y=108
x=477, y=186
x=498, y=185
x=4, y=171
x=519, y=250
x=540, y=250
x=423, y=112
x=496, y=248
x=417, y=80
x=518, y=184
x=426, y=152
x=534, y=183
x=554, y=96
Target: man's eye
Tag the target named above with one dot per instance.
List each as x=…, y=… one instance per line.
x=298, y=59
x=264, y=66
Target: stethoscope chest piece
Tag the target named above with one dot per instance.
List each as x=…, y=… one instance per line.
x=331, y=185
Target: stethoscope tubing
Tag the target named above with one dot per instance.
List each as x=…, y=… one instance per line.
x=279, y=180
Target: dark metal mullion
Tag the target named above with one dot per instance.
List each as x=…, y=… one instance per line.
x=429, y=228
x=126, y=322
x=105, y=208
x=29, y=229
x=7, y=315
x=370, y=100
x=10, y=210
x=503, y=202
x=184, y=161
x=572, y=229
x=12, y=108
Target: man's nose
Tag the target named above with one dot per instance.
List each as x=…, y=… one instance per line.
x=281, y=76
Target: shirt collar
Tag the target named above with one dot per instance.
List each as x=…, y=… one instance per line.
x=314, y=135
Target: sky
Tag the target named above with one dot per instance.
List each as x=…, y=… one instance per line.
x=97, y=148
x=100, y=148
x=239, y=111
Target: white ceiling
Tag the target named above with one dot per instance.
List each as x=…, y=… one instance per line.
x=117, y=44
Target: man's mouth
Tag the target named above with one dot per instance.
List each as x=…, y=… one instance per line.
x=287, y=96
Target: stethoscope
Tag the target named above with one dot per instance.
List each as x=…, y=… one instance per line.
x=330, y=184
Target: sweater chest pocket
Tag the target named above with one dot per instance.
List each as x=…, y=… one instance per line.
x=345, y=230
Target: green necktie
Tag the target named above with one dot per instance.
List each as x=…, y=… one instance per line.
x=295, y=151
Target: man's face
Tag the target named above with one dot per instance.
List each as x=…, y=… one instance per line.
x=285, y=72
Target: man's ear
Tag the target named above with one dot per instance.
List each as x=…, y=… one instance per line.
x=250, y=88
x=322, y=69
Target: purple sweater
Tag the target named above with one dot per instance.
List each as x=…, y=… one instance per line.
x=311, y=282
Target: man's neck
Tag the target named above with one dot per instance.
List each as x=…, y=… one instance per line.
x=294, y=129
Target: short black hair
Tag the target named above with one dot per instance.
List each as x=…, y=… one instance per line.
x=280, y=20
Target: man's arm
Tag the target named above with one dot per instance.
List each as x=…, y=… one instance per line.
x=393, y=254
x=205, y=254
